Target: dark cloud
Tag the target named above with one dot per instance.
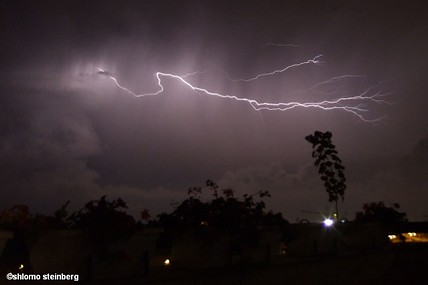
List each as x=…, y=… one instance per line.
x=404, y=181
x=43, y=154
x=289, y=189
x=68, y=132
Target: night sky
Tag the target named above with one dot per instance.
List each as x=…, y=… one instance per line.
x=67, y=132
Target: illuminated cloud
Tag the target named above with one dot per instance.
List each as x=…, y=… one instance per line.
x=68, y=131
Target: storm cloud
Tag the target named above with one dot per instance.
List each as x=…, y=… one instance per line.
x=69, y=133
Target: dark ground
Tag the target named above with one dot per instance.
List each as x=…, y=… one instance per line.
x=403, y=264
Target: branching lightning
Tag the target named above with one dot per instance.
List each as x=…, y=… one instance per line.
x=315, y=60
x=333, y=80
x=351, y=104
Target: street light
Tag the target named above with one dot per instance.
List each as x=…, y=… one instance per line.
x=328, y=222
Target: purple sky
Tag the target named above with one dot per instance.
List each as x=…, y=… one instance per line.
x=69, y=133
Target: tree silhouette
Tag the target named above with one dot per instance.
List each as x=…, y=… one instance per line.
x=225, y=214
x=377, y=212
x=104, y=222
x=329, y=165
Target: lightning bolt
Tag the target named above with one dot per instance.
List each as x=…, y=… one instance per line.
x=351, y=104
x=333, y=80
x=315, y=60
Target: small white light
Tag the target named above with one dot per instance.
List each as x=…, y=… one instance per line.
x=328, y=222
x=21, y=266
x=167, y=262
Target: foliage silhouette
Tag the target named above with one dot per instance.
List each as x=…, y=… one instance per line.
x=225, y=214
x=377, y=212
x=104, y=221
x=329, y=165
